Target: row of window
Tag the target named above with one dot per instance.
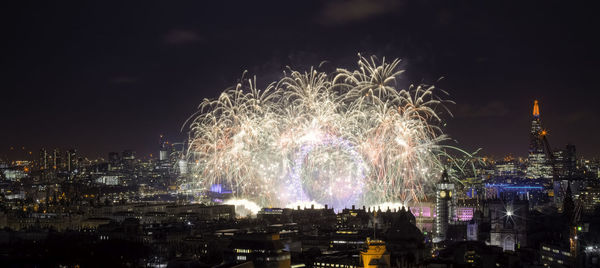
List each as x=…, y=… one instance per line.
x=323, y=265
x=565, y=253
x=551, y=259
x=241, y=250
x=347, y=242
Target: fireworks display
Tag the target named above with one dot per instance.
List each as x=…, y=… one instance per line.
x=351, y=137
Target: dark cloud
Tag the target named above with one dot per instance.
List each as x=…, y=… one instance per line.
x=496, y=60
x=576, y=116
x=181, y=37
x=344, y=11
x=490, y=109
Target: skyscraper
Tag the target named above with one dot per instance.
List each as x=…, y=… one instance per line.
x=114, y=159
x=57, y=164
x=570, y=160
x=43, y=159
x=71, y=160
x=565, y=162
x=537, y=163
x=128, y=155
x=163, y=153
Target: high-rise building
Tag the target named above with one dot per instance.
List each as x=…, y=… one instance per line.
x=565, y=162
x=444, y=192
x=163, y=152
x=71, y=160
x=570, y=160
x=128, y=158
x=128, y=155
x=113, y=158
x=507, y=168
x=57, y=164
x=43, y=164
x=537, y=162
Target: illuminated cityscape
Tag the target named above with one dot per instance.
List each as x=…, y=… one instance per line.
x=219, y=135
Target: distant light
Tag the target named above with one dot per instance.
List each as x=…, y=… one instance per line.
x=509, y=213
x=579, y=228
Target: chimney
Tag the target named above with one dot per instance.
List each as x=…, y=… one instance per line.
x=312, y=206
x=325, y=206
x=353, y=207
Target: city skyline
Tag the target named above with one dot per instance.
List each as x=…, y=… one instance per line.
x=300, y=134
x=120, y=78
x=23, y=153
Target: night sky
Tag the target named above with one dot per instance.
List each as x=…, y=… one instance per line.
x=109, y=76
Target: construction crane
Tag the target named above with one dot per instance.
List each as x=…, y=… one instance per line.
x=575, y=216
x=542, y=135
x=549, y=153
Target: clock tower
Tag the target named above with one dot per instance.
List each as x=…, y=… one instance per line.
x=443, y=194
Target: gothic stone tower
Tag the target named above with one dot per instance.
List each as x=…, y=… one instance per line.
x=444, y=192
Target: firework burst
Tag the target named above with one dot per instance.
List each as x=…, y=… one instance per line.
x=352, y=137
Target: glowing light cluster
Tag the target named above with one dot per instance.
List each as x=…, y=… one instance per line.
x=243, y=207
x=335, y=187
x=351, y=137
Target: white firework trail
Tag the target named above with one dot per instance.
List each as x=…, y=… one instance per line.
x=352, y=137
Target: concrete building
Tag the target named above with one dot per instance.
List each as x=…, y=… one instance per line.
x=262, y=249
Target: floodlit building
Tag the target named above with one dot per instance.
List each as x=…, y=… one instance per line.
x=375, y=255
x=508, y=224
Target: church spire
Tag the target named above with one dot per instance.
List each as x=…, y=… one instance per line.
x=568, y=204
x=536, y=109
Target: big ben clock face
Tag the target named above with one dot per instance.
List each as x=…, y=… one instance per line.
x=442, y=194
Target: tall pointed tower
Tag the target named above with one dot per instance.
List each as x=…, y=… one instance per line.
x=568, y=204
x=537, y=166
x=444, y=192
